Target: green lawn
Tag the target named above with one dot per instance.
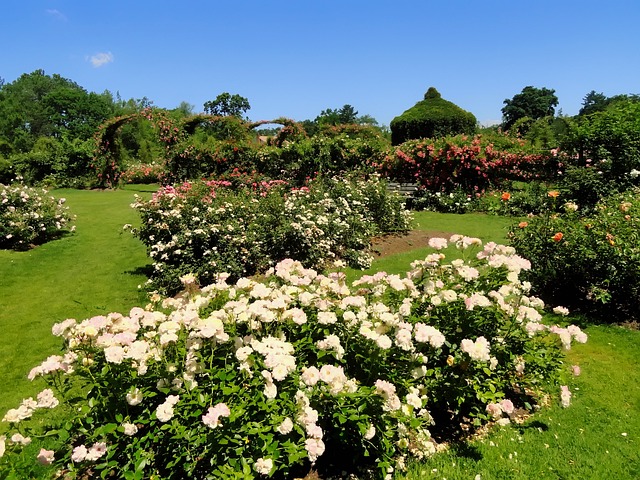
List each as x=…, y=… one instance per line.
x=98, y=269
x=94, y=271
x=597, y=437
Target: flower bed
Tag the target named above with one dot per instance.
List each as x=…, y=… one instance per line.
x=590, y=262
x=251, y=378
x=204, y=228
x=468, y=164
x=29, y=217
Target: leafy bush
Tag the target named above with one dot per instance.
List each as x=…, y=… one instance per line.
x=206, y=228
x=590, y=262
x=338, y=154
x=470, y=164
x=586, y=186
x=607, y=145
x=63, y=163
x=518, y=199
x=201, y=157
x=6, y=171
x=29, y=217
x=270, y=378
x=431, y=118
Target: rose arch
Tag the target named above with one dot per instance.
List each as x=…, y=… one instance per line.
x=174, y=135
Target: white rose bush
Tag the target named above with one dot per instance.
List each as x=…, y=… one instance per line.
x=209, y=227
x=269, y=378
x=29, y=216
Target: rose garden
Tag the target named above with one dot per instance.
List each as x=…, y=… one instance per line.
x=184, y=300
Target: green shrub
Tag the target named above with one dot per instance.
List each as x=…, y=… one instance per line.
x=62, y=163
x=7, y=174
x=517, y=199
x=29, y=217
x=298, y=371
x=608, y=144
x=431, y=118
x=196, y=157
x=144, y=173
x=586, y=186
x=456, y=201
x=301, y=160
x=589, y=262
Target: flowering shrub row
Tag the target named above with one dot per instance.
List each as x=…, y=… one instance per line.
x=29, y=217
x=471, y=164
x=205, y=228
x=204, y=145
x=253, y=379
x=590, y=262
x=143, y=173
x=325, y=155
x=292, y=161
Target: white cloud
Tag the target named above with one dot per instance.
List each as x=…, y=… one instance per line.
x=100, y=59
x=57, y=14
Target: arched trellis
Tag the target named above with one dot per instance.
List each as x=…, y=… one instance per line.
x=107, y=158
x=107, y=151
x=172, y=132
x=291, y=130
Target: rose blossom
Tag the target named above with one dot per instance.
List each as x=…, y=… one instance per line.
x=46, y=457
x=129, y=429
x=565, y=396
x=285, y=427
x=263, y=466
x=212, y=418
x=478, y=350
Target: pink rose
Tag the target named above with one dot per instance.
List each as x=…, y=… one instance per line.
x=46, y=457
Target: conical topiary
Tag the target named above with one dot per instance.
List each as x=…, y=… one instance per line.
x=430, y=118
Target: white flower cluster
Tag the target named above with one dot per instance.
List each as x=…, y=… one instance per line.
x=315, y=225
x=28, y=215
x=299, y=342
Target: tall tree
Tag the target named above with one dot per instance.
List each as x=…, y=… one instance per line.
x=227, y=105
x=532, y=102
x=598, y=102
x=340, y=116
x=184, y=109
x=593, y=102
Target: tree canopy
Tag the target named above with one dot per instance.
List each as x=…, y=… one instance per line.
x=37, y=105
x=227, y=105
x=532, y=102
x=598, y=102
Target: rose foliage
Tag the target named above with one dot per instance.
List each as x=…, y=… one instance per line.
x=470, y=164
x=255, y=379
x=208, y=227
x=589, y=261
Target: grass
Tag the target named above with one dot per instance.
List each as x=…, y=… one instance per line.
x=490, y=228
x=94, y=271
x=597, y=437
x=97, y=270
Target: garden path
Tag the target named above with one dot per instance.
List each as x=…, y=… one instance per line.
x=392, y=244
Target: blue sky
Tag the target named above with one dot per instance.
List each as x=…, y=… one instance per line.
x=296, y=58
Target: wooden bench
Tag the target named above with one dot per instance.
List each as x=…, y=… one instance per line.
x=407, y=190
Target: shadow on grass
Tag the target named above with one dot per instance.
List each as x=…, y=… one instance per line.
x=534, y=425
x=145, y=270
x=142, y=188
x=466, y=450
